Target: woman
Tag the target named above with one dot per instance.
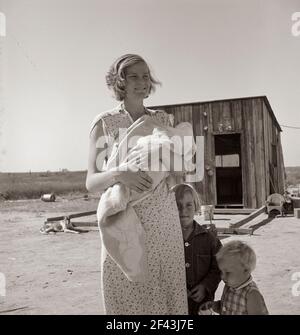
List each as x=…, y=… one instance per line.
x=165, y=290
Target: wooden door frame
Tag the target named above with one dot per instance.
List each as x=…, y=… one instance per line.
x=242, y=158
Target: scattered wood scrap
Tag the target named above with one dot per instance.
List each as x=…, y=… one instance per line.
x=64, y=223
x=71, y=216
x=234, y=211
x=85, y=224
x=235, y=231
x=13, y=309
x=248, y=218
x=235, y=228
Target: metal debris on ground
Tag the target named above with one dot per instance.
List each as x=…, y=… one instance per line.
x=48, y=197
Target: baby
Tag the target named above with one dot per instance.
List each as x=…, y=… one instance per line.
x=241, y=296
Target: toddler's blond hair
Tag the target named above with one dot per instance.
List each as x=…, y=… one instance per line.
x=242, y=251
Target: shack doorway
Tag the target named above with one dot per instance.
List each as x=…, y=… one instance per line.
x=228, y=170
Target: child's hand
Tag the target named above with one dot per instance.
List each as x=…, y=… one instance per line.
x=206, y=308
x=210, y=308
x=198, y=293
x=213, y=230
x=206, y=305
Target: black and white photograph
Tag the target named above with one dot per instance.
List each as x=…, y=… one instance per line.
x=149, y=159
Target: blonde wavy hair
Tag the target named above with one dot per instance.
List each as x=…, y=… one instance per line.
x=115, y=78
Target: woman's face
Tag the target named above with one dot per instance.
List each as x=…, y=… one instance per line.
x=137, y=81
x=186, y=208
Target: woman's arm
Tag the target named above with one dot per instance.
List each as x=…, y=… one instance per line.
x=98, y=180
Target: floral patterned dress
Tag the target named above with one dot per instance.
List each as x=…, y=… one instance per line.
x=165, y=291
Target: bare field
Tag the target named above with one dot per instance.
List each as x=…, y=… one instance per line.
x=27, y=185
x=48, y=274
x=15, y=186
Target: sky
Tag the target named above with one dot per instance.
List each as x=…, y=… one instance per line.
x=55, y=55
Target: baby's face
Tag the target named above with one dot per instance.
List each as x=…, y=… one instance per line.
x=186, y=208
x=233, y=273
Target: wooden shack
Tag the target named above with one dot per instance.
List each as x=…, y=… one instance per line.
x=243, y=159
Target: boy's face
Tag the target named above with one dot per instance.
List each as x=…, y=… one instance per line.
x=233, y=272
x=186, y=208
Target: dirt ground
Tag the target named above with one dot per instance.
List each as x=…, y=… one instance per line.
x=60, y=273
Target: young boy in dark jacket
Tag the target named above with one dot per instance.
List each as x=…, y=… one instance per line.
x=200, y=246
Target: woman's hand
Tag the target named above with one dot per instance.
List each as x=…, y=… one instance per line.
x=138, y=181
x=198, y=293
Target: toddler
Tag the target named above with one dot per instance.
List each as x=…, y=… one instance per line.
x=241, y=295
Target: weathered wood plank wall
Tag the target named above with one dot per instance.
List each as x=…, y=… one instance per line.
x=260, y=134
